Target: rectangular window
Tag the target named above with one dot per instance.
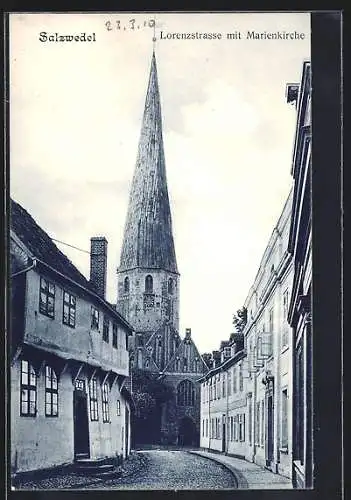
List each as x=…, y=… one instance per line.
x=47, y=298
x=105, y=329
x=241, y=378
x=231, y=428
x=250, y=421
x=262, y=423
x=94, y=318
x=118, y=408
x=271, y=320
x=300, y=406
x=105, y=407
x=206, y=427
x=257, y=424
x=234, y=380
x=285, y=331
x=284, y=441
x=93, y=400
x=114, y=335
x=240, y=426
x=28, y=399
x=229, y=384
x=223, y=386
x=69, y=309
x=236, y=428
x=203, y=428
x=51, y=393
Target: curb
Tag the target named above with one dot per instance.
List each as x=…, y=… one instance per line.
x=240, y=479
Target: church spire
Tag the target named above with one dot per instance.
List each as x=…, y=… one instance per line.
x=148, y=238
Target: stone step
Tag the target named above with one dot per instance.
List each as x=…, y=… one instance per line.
x=93, y=462
x=98, y=469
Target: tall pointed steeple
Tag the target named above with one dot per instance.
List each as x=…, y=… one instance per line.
x=148, y=238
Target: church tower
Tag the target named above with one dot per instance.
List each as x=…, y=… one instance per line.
x=148, y=278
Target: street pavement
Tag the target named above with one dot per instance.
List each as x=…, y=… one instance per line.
x=159, y=469
x=249, y=475
x=166, y=469
x=173, y=470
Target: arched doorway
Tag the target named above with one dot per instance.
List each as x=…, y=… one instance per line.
x=187, y=434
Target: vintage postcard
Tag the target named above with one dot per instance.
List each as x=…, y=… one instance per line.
x=160, y=250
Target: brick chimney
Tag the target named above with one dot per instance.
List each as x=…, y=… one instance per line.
x=98, y=264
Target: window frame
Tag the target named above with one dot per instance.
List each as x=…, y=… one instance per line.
x=118, y=408
x=149, y=284
x=93, y=400
x=30, y=388
x=263, y=423
x=94, y=318
x=105, y=390
x=106, y=323
x=186, y=393
x=114, y=335
x=285, y=419
x=71, y=307
x=51, y=389
x=49, y=294
x=241, y=377
x=285, y=330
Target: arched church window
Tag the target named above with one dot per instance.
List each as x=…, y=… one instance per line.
x=126, y=284
x=177, y=365
x=159, y=351
x=149, y=285
x=185, y=393
x=170, y=286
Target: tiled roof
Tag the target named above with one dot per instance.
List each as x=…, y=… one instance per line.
x=148, y=238
x=41, y=245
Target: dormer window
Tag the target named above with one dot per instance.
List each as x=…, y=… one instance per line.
x=126, y=285
x=149, y=285
x=170, y=286
x=227, y=352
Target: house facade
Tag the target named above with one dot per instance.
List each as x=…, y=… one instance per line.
x=268, y=345
x=246, y=398
x=224, y=402
x=69, y=357
x=300, y=310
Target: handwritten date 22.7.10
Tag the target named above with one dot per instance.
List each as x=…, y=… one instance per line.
x=132, y=24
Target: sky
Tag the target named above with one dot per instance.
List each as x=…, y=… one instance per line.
x=75, y=118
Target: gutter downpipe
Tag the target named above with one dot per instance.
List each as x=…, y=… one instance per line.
x=25, y=270
x=209, y=416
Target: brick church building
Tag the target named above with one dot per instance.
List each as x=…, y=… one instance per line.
x=148, y=283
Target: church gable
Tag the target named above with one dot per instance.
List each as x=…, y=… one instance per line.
x=187, y=358
x=162, y=346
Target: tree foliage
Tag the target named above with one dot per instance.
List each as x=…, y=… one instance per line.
x=152, y=384
x=150, y=392
x=207, y=357
x=240, y=320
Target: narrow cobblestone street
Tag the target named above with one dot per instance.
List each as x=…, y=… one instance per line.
x=147, y=469
x=174, y=469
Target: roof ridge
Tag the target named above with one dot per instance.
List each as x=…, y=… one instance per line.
x=44, y=234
